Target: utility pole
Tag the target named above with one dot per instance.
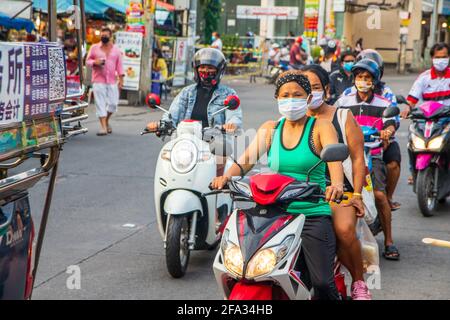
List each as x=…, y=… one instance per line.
x=52, y=20
x=145, y=81
x=433, y=28
x=192, y=34
x=322, y=19
x=405, y=18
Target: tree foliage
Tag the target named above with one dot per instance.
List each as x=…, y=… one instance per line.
x=211, y=15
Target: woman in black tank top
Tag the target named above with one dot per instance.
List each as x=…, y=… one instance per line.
x=344, y=215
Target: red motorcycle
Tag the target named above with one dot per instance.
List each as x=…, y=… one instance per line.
x=259, y=253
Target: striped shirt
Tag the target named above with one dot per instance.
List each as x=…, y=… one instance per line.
x=429, y=87
x=368, y=113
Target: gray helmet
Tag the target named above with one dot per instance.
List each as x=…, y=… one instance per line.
x=212, y=57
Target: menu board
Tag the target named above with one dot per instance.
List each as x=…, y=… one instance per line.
x=130, y=44
x=32, y=81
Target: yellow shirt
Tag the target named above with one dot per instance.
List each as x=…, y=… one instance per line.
x=162, y=66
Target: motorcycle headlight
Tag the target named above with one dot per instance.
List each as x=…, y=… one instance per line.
x=183, y=156
x=418, y=142
x=265, y=260
x=436, y=143
x=233, y=259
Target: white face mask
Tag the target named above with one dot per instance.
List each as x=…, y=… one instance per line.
x=440, y=64
x=363, y=86
x=317, y=99
x=293, y=108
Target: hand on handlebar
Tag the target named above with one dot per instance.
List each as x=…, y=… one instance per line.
x=334, y=192
x=385, y=135
x=229, y=127
x=219, y=183
x=404, y=114
x=153, y=126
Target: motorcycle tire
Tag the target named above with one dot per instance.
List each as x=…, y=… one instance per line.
x=177, y=246
x=424, y=186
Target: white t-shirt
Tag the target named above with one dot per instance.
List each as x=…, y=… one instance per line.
x=429, y=87
x=217, y=44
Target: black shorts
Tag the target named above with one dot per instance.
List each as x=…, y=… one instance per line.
x=392, y=153
x=379, y=174
x=319, y=251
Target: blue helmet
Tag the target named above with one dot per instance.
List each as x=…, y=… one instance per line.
x=368, y=65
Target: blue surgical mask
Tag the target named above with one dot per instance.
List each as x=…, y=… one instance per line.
x=213, y=38
x=293, y=108
x=348, y=66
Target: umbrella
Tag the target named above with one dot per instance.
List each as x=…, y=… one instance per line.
x=91, y=6
x=16, y=23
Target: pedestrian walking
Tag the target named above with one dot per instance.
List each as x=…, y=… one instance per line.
x=107, y=78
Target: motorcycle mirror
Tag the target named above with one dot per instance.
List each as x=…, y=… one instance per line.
x=232, y=102
x=152, y=100
x=334, y=152
x=401, y=99
x=220, y=147
x=391, y=112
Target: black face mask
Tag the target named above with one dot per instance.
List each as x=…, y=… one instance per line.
x=105, y=40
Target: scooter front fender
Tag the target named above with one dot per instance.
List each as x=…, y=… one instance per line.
x=423, y=161
x=180, y=202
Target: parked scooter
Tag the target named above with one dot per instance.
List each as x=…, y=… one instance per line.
x=372, y=141
x=429, y=149
x=187, y=220
x=259, y=254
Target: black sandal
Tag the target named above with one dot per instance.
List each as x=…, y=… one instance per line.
x=394, y=205
x=391, y=253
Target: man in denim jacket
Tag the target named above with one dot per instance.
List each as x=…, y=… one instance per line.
x=199, y=101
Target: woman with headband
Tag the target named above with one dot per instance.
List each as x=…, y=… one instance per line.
x=344, y=215
x=293, y=146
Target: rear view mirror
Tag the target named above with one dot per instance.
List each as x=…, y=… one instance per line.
x=232, y=102
x=220, y=147
x=334, y=152
x=391, y=112
x=152, y=100
x=401, y=99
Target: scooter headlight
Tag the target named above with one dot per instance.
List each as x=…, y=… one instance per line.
x=418, y=143
x=233, y=259
x=265, y=260
x=436, y=143
x=183, y=156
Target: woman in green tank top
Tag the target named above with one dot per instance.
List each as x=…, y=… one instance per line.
x=294, y=148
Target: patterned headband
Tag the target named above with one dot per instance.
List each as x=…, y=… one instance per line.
x=293, y=77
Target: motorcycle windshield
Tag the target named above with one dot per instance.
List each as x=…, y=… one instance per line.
x=256, y=226
x=431, y=110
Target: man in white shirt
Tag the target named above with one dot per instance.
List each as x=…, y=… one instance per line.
x=216, y=41
x=434, y=83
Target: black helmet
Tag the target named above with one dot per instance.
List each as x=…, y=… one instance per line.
x=212, y=57
x=373, y=55
x=369, y=65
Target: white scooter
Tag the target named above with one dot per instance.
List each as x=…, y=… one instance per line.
x=186, y=166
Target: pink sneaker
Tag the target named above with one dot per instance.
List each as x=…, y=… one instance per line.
x=360, y=291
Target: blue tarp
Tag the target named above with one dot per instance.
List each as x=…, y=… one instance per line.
x=16, y=23
x=91, y=6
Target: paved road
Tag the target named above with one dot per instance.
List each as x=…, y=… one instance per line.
x=106, y=182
